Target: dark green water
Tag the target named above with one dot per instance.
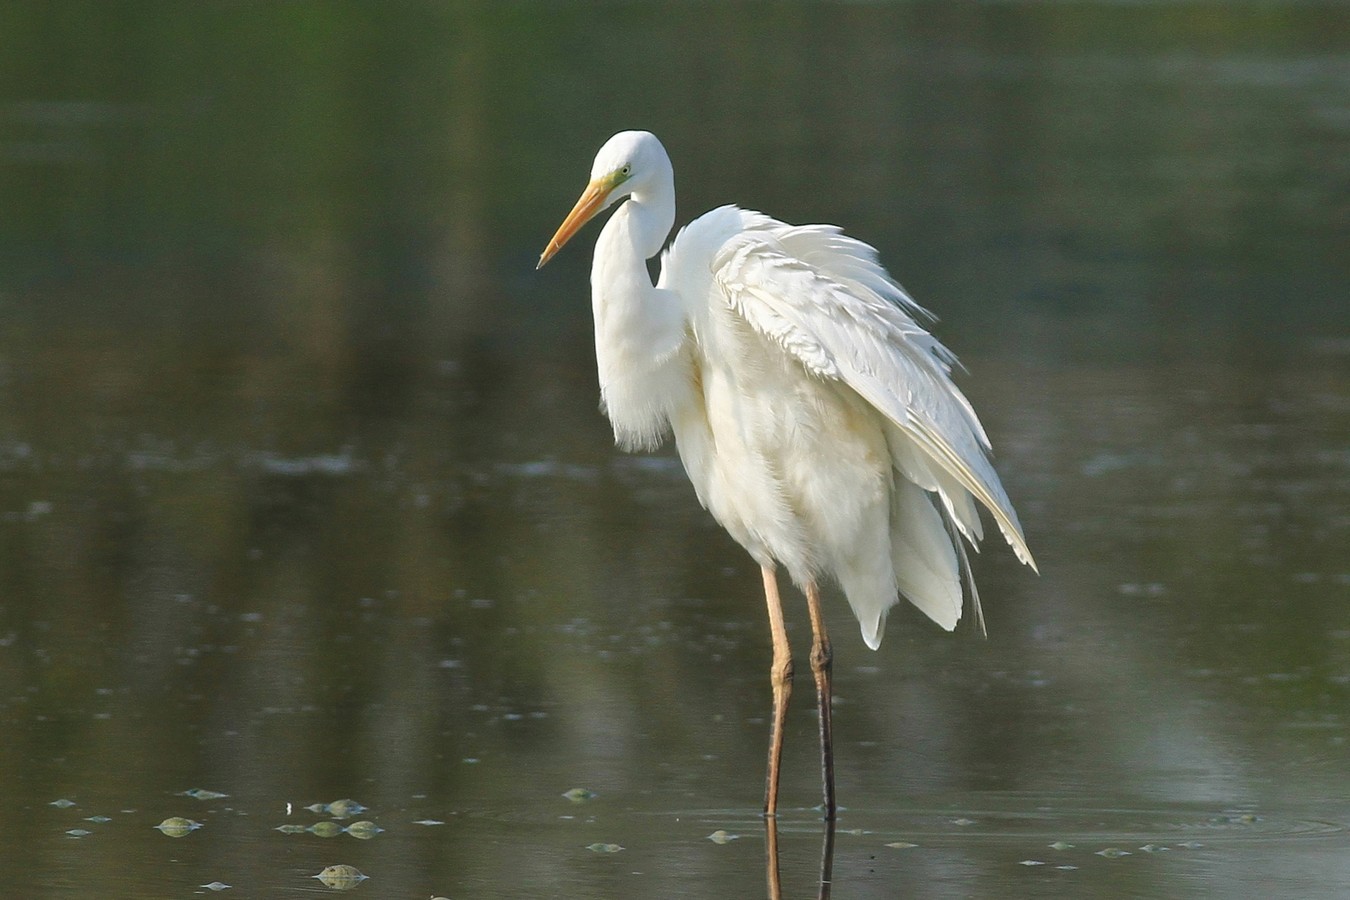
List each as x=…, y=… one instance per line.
x=304, y=494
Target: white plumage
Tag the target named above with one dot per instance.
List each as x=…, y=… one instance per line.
x=816, y=417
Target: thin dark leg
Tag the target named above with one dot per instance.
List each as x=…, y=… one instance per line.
x=827, y=860
x=821, y=662
x=781, y=677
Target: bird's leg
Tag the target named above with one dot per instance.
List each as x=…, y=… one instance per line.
x=781, y=678
x=827, y=861
x=771, y=858
x=821, y=662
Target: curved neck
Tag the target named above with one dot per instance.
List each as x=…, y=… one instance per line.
x=634, y=234
x=651, y=214
x=647, y=216
x=638, y=328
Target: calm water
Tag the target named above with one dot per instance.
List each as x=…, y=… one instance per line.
x=304, y=494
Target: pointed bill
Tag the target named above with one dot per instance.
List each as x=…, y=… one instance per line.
x=593, y=199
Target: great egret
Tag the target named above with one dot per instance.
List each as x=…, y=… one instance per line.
x=815, y=417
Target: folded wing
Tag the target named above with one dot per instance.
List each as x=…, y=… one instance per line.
x=824, y=298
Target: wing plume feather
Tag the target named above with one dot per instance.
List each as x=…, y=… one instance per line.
x=824, y=298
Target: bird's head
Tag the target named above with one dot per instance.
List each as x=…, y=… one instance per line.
x=631, y=162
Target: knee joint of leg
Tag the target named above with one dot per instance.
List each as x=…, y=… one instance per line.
x=782, y=672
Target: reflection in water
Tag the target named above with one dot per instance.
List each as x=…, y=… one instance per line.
x=303, y=491
x=772, y=863
x=771, y=855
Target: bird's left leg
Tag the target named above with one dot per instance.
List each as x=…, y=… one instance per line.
x=821, y=663
x=781, y=678
x=775, y=883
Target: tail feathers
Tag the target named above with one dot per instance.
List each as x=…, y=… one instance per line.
x=967, y=575
x=873, y=627
x=924, y=556
x=929, y=565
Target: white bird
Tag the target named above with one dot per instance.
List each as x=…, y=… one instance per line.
x=815, y=416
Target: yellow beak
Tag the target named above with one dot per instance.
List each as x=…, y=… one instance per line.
x=592, y=201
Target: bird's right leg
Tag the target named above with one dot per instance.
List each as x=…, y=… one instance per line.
x=781, y=678
x=822, y=659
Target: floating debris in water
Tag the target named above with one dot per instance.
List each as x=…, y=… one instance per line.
x=1152, y=848
x=177, y=826
x=1191, y=845
x=1061, y=845
x=217, y=886
x=428, y=822
x=341, y=877
x=201, y=794
x=79, y=832
x=325, y=829
x=721, y=836
x=363, y=830
x=1113, y=853
x=603, y=848
x=345, y=809
x=580, y=795
x=98, y=820
x=62, y=803
x=338, y=809
x=1031, y=862
x=901, y=845
x=1067, y=868
x=963, y=822
x=291, y=829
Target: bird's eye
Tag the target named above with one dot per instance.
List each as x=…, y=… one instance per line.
x=626, y=171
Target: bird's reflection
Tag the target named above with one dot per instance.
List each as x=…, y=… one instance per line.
x=771, y=859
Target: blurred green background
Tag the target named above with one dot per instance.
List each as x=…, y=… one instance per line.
x=304, y=492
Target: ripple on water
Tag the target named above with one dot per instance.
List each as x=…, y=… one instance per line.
x=1004, y=819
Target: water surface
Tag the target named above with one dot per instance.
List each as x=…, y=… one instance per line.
x=304, y=495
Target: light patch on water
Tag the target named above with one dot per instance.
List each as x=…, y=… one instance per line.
x=549, y=468
x=325, y=464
